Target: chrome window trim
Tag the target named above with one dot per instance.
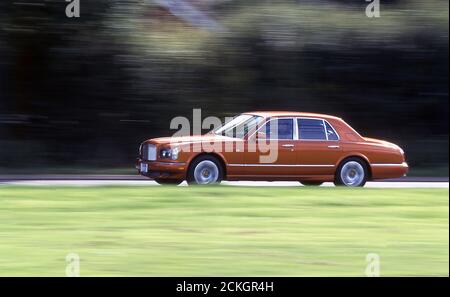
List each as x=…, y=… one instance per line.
x=249, y=114
x=296, y=133
x=325, y=129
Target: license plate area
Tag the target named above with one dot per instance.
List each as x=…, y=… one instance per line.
x=143, y=168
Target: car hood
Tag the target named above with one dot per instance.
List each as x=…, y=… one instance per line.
x=192, y=139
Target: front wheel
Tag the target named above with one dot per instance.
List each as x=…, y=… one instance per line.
x=205, y=170
x=352, y=172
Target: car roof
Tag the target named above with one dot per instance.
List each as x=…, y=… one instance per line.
x=268, y=114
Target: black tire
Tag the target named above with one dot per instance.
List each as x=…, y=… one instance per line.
x=168, y=182
x=311, y=183
x=204, y=159
x=339, y=181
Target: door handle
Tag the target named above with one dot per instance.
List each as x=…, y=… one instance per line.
x=333, y=146
x=287, y=145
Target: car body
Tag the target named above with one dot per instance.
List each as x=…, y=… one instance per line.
x=311, y=148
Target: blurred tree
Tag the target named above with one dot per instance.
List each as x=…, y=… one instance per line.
x=84, y=92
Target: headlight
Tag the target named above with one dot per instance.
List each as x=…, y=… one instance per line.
x=175, y=152
x=167, y=153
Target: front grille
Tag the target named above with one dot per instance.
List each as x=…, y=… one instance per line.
x=148, y=152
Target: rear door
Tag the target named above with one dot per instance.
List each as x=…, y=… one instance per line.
x=319, y=147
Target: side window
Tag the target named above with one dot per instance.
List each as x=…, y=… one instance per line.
x=283, y=127
x=331, y=132
x=311, y=129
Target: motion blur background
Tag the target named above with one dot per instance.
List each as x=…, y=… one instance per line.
x=80, y=94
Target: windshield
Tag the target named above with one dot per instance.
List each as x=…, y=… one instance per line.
x=239, y=126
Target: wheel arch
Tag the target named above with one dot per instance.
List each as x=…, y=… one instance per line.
x=219, y=157
x=358, y=156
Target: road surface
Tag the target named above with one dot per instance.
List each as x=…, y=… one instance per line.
x=135, y=180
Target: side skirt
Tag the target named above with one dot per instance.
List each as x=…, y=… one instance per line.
x=322, y=178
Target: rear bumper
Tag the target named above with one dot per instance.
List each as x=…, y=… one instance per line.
x=389, y=170
x=158, y=169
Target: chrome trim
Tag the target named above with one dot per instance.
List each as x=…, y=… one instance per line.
x=163, y=163
x=148, y=152
x=404, y=164
x=296, y=132
x=325, y=129
x=279, y=165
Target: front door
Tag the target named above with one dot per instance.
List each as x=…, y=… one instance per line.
x=271, y=153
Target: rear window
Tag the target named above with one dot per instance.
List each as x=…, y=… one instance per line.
x=311, y=129
x=331, y=133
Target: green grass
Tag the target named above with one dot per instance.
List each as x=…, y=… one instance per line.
x=217, y=231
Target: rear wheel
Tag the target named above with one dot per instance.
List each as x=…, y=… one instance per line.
x=205, y=170
x=311, y=183
x=169, y=182
x=352, y=172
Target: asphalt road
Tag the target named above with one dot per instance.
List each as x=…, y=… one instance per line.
x=136, y=180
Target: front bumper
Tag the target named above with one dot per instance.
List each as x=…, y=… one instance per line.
x=160, y=169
